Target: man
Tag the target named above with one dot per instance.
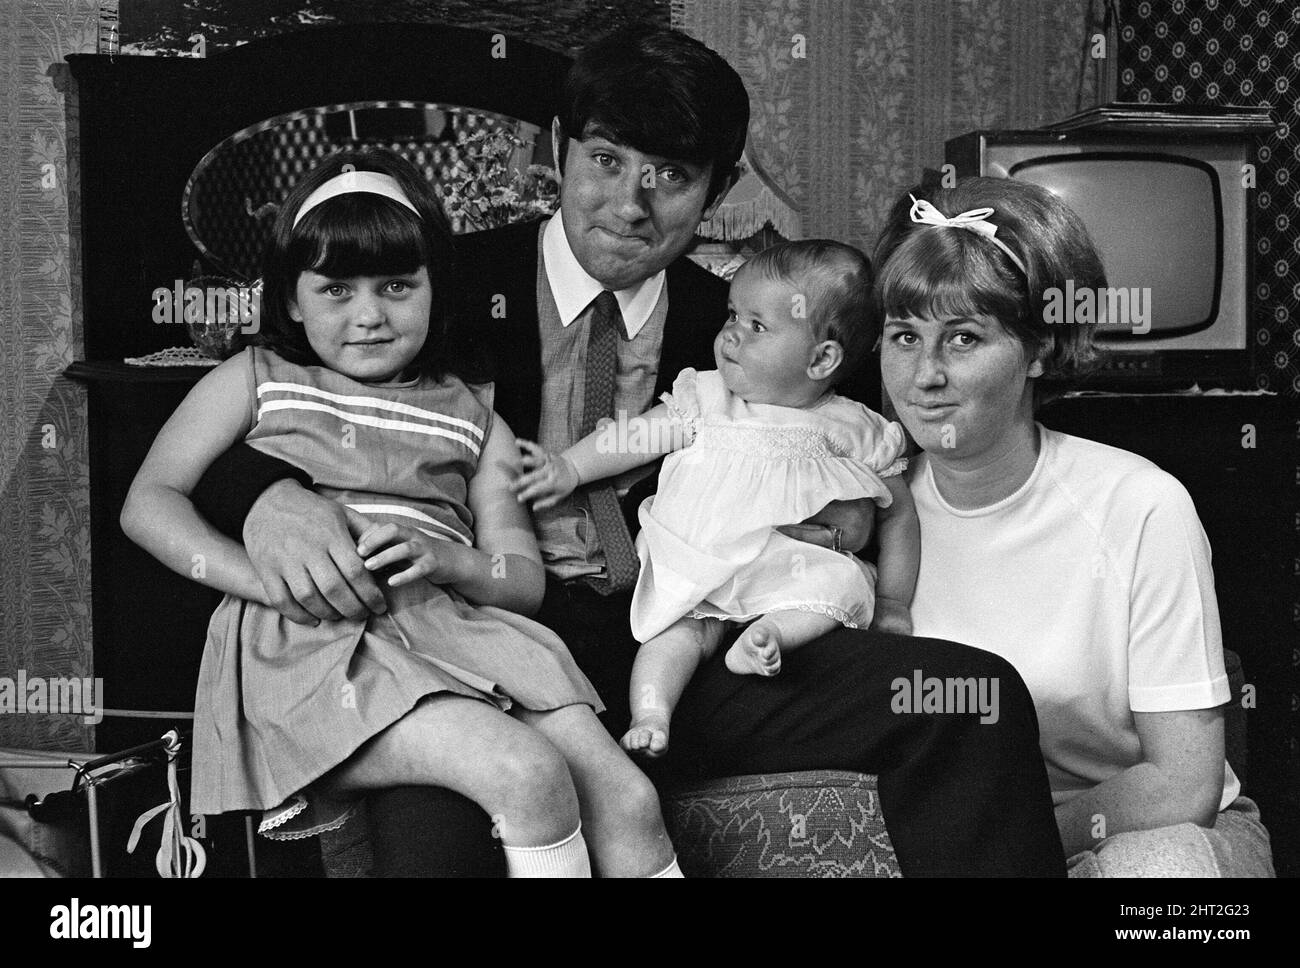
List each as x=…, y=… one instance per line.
x=650, y=128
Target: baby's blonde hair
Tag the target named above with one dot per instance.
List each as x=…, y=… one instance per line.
x=835, y=280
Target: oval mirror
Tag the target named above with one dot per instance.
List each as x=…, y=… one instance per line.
x=489, y=169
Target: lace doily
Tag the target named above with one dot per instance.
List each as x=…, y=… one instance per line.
x=173, y=356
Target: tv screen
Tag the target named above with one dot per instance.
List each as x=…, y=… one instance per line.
x=1158, y=223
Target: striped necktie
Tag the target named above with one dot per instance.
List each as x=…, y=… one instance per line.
x=621, y=564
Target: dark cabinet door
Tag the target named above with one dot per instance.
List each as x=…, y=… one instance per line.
x=149, y=623
x=1239, y=458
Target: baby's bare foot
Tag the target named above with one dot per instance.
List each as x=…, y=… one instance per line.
x=648, y=736
x=756, y=653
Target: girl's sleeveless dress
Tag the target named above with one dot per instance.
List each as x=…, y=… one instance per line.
x=280, y=704
x=707, y=545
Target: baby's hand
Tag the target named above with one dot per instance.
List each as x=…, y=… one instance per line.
x=547, y=478
x=891, y=616
x=430, y=558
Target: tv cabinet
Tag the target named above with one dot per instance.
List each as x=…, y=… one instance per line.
x=1238, y=455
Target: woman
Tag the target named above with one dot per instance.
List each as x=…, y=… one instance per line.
x=1083, y=565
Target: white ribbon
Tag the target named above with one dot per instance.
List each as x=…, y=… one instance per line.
x=976, y=220
x=178, y=855
x=374, y=182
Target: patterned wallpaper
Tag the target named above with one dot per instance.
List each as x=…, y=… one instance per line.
x=44, y=515
x=851, y=100
x=1237, y=52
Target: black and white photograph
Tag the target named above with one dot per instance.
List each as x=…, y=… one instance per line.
x=649, y=439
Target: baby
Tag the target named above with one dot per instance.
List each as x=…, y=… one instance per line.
x=761, y=442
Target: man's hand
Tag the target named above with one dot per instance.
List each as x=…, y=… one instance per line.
x=891, y=616
x=547, y=479
x=302, y=548
x=429, y=558
x=853, y=519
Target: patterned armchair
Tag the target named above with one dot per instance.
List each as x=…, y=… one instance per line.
x=816, y=824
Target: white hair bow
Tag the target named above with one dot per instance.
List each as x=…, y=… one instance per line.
x=976, y=220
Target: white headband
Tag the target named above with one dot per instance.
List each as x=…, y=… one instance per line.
x=976, y=220
x=374, y=182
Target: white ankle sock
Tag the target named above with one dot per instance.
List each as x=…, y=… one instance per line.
x=565, y=858
x=671, y=871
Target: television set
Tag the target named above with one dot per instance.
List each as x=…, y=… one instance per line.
x=1167, y=195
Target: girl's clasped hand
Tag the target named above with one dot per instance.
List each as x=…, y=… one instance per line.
x=386, y=545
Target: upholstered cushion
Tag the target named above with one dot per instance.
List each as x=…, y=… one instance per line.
x=818, y=824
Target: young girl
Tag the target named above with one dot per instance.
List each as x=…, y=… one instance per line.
x=450, y=686
x=762, y=441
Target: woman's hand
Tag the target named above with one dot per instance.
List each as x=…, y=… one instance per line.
x=1179, y=780
x=547, y=479
x=302, y=547
x=430, y=558
x=840, y=526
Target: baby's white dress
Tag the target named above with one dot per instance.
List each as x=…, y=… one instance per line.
x=708, y=544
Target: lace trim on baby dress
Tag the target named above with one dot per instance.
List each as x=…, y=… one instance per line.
x=897, y=467
x=690, y=423
x=278, y=817
x=839, y=614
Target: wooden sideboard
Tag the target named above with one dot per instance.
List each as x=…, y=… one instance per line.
x=148, y=622
x=1238, y=455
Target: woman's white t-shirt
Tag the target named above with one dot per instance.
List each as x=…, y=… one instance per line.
x=1094, y=581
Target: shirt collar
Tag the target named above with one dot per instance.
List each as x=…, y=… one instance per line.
x=574, y=290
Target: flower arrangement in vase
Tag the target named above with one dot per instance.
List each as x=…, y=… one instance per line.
x=486, y=190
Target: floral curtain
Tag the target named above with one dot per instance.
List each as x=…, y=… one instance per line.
x=850, y=100
x=44, y=511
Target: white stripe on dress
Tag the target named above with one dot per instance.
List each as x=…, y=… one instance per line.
x=368, y=420
x=376, y=403
x=402, y=511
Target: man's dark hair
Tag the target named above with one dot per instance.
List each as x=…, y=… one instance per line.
x=660, y=92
